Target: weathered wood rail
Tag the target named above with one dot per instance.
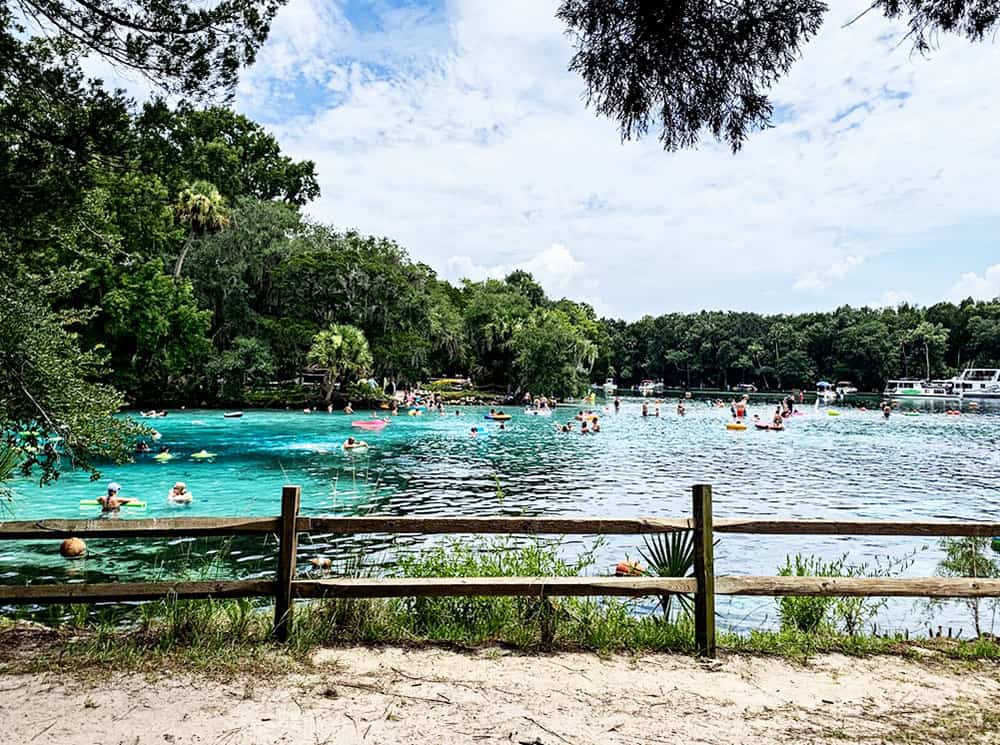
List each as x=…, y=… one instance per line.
x=704, y=585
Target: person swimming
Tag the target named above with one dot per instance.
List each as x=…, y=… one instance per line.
x=179, y=493
x=680, y=408
x=886, y=409
x=618, y=404
x=350, y=444
x=111, y=503
x=474, y=431
x=583, y=428
x=645, y=409
x=595, y=426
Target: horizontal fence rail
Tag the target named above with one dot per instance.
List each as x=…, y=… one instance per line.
x=703, y=585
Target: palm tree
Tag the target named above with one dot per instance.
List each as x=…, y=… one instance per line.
x=342, y=350
x=202, y=208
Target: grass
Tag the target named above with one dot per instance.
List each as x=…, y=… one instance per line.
x=223, y=637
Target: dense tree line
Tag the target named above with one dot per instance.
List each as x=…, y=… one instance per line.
x=864, y=345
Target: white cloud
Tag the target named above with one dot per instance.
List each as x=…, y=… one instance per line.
x=817, y=280
x=462, y=134
x=970, y=284
x=554, y=268
x=891, y=299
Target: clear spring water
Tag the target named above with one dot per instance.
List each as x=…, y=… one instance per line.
x=856, y=465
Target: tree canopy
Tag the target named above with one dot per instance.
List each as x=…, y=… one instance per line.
x=692, y=66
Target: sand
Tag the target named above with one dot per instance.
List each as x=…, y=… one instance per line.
x=391, y=695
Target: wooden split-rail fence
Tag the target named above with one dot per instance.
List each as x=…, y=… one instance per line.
x=286, y=588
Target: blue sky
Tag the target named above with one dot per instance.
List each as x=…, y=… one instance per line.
x=455, y=128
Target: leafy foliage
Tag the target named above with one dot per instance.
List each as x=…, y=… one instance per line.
x=342, y=351
x=970, y=557
x=701, y=65
x=670, y=555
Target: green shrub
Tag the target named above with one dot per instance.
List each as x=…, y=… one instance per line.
x=806, y=613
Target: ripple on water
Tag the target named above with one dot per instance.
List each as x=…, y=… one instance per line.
x=853, y=466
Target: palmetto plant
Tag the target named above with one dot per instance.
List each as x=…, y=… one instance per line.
x=670, y=555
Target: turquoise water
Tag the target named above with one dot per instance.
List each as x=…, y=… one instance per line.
x=856, y=465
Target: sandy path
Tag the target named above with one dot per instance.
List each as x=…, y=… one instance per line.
x=433, y=696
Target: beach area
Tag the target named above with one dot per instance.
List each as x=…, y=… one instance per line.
x=432, y=695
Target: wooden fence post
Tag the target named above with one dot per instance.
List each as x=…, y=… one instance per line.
x=704, y=570
x=287, y=547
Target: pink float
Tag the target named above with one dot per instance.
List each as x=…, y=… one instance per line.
x=370, y=424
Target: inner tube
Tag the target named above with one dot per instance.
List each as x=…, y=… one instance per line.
x=233, y=415
x=736, y=425
x=180, y=500
x=201, y=456
x=831, y=412
x=95, y=503
x=163, y=457
x=497, y=417
x=371, y=424
x=765, y=425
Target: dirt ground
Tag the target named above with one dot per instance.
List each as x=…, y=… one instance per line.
x=362, y=695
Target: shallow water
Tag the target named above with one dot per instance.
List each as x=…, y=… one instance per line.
x=856, y=465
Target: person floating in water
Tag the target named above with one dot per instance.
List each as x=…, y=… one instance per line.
x=350, y=444
x=886, y=409
x=645, y=409
x=595, y=425
x=778, y=422
x=111, y=503
x=680, y=408
x=474, y=431
x=179, y=493
x=583, y=428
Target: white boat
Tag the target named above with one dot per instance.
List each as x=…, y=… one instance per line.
x=609, y=387
x=825, y=393
x=845, y=387
x=646, y=388
x=976, y=382
x=912, y=388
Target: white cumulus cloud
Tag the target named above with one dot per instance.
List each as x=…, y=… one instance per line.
x=970, y=284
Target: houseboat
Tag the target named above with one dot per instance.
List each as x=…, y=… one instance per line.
x=979, y=383
x=912, y=388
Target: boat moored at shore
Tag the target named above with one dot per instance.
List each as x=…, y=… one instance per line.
x=979, y=383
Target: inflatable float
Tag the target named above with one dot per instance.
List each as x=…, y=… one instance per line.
x=96, y=503
x=738, y=426
x=831, y=412
x=373, y=425
x=233, y=414
x=765, y=425
x=163, y=457
x=497, y=417
x=203, y=455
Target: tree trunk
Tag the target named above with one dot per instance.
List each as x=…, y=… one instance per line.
x=180, y=259
x=927, y=358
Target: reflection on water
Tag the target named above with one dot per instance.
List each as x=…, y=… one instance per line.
x=856, y=465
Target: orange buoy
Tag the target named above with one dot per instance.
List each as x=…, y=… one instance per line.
x=73, y=548
x=629, y=569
